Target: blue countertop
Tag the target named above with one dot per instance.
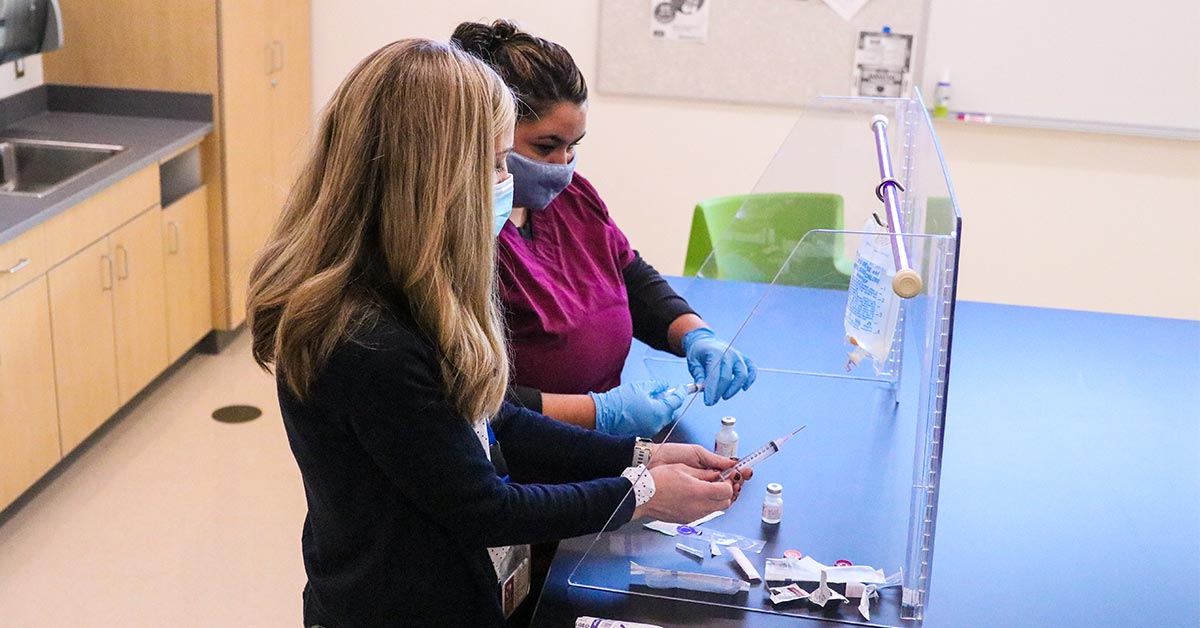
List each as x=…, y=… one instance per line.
x=1070, y=492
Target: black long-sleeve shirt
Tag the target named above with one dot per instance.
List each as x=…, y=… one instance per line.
x=403, y=501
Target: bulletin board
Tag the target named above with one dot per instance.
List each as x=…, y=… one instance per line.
x=772, y=52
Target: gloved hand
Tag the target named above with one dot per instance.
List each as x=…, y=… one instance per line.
x=723, y=369
x=636, y=408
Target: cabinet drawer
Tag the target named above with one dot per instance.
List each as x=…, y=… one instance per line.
x=83, y=224
x=22, y=260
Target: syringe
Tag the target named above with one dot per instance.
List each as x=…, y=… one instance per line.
x=760, y=454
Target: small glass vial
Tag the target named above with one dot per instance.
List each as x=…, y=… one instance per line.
x=772, y=511
x=727, y=439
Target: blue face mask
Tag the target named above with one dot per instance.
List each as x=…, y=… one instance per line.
x=540, y=182
x=502, y=204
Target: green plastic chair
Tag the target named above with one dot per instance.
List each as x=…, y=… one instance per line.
x=767, y=227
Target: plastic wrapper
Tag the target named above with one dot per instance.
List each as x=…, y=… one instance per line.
x=809, y=570
x=656, y=578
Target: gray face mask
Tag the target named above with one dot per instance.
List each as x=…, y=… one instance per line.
x=537, y=182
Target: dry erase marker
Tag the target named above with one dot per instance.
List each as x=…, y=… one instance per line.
x=974, y=117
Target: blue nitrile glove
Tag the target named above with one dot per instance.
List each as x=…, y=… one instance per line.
x=723, y=369
x=636, y=408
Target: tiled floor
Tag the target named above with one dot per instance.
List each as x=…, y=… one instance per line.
x=171, y=519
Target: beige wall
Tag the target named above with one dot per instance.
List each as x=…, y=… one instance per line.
x=10, y=84
x=1078, y=221
x=1051, y=219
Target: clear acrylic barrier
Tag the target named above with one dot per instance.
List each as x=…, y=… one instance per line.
x=861, y=481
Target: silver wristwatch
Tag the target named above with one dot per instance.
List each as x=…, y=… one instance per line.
x=641, y=451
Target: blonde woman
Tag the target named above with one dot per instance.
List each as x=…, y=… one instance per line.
x=374, y=302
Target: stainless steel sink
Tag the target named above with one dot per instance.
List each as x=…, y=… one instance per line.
x=39, y=167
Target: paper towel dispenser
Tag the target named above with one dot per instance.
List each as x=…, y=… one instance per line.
x=28, y=27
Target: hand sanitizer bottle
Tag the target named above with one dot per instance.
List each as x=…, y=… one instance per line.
x=941, y=96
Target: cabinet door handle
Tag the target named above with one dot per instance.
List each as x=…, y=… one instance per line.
x=123, y=256
x=21, y=263
x=274, y=63
x=172, y=238
x=106, y=273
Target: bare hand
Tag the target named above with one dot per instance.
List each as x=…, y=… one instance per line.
x=697, y=457
x=693, y=456
x=684, y=494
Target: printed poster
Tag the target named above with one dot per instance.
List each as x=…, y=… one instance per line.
x=684, y=20
x=882, y=65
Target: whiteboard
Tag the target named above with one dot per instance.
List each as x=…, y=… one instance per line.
x=1096, y=65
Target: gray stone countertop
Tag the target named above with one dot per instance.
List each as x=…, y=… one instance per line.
x=146, y=140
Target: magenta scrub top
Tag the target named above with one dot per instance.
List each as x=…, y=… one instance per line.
x=564, y=295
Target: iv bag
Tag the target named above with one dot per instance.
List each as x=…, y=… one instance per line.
x=872, y=307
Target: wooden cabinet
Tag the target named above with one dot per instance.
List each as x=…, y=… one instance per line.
x=85, y=358
x=28, y=412
x=139, y=303
x=109, y=320
x=246, y=37
x=185, y=243
x=95, y=250
x=267, y=122
x=291, y=83
x=108, y=307
x=254, y=57
x=99, y=301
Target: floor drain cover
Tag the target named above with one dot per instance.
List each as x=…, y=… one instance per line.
x=236, y=414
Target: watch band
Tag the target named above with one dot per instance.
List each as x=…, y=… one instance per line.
x=642, y=449
x=642, y=481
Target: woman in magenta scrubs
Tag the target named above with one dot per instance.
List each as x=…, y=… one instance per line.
x=575, y=293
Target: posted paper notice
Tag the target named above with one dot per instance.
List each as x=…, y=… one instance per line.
x=685, y=20
x=882, y=65
x=846, y=8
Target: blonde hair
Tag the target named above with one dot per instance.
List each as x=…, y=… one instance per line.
x=393, y=209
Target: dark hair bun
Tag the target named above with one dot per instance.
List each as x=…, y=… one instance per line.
x=504, y=30
x=483, y=40
x=540, y=73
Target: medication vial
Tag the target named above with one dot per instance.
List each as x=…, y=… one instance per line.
x=772, y=510
x=727, y=439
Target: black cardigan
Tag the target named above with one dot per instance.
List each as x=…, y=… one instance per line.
x=403, y=502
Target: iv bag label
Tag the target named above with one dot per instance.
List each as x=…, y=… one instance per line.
x=867, y=299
